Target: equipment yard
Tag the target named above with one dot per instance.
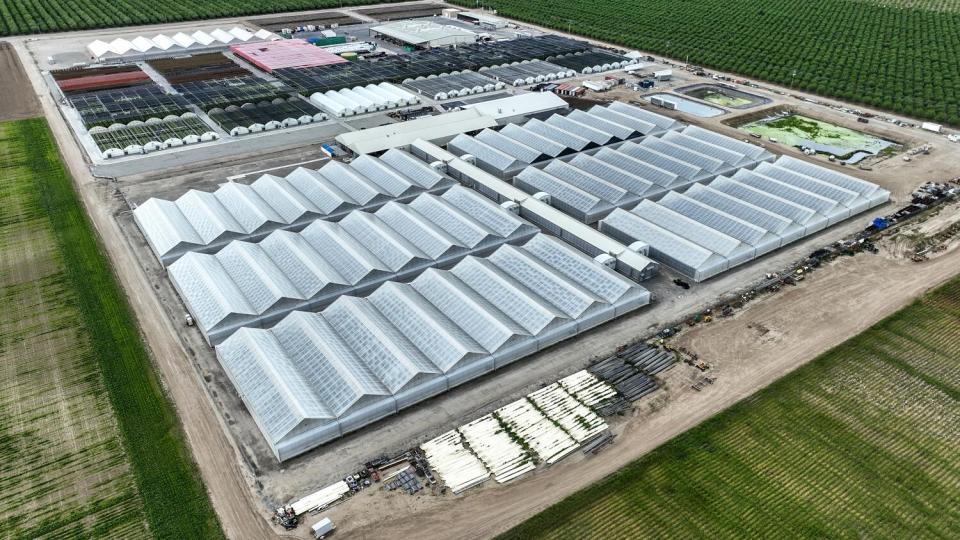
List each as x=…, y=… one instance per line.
x=402, y=287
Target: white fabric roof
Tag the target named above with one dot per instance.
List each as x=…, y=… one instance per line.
x=309, y=269
x=199, y=39
x=204, y=221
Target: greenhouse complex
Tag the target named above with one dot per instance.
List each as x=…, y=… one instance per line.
x=350, y=266
x=453, y=244
x=341, y=295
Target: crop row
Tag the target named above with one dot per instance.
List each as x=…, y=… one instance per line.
x=58, y=436
x=860, y=442
x=36, y=16
x=900, y=59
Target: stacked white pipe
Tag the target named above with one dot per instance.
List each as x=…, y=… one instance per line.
x=504, y=458
x=546, y=439
x=577, y=420
x=457, y=467
x=587, y=388
x=321, y=499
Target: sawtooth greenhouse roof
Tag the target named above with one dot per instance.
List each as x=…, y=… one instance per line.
x=728, y=221
x=317, y=376
x=592, y=183
x=504, y=153
x=204, y=221
x=256, y=284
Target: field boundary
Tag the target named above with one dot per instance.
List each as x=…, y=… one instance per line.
x=175, y=500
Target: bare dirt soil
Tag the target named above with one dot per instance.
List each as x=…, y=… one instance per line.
x=18, y=100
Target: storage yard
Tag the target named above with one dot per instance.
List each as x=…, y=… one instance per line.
x=451, y=265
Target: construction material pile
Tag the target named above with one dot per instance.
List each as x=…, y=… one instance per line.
x=455, y=464
x=503, y=456
x=549, y=442
x=573, y=417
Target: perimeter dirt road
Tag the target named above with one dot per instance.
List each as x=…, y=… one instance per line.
x=17, y=102
x=749, y=351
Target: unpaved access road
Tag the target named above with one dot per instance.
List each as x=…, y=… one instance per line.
x=770, y=338
x=17, y=101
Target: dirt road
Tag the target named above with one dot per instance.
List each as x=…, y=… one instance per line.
x=15, y=104
x=761, y=344
x=216, y=456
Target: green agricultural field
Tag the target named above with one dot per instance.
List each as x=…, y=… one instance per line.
x=89, y=445
x=899, y=55
x=864, y=442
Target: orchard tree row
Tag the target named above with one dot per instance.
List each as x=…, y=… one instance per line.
x=896, y=55
x=37, y=16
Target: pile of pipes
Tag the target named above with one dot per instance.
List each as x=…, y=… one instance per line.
x=576, y=419
x=547, y=440
x=503, y=456
x=455, y=464
x=631, y=370
x=650, y=360
x=588, y=389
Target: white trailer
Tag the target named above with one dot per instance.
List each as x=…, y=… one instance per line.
x=322, y=528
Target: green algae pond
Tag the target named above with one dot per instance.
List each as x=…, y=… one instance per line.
x=844, y=144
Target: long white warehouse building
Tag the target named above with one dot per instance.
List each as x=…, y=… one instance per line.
x=317, y=376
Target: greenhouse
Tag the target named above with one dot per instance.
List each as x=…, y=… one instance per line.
x=204, y=221
x=256, y=284
x=527, y=72
x=363, y=99
x=592, y=183
x=730, y=220
x=178, y=43
x=505, y=152
x=317, y=376
x=453, y=85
